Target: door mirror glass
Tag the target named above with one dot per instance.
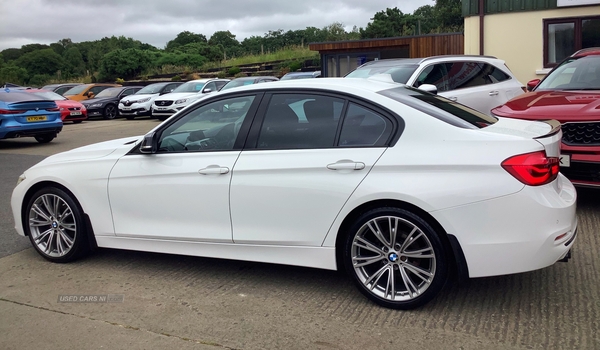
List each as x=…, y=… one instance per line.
x=207, y=90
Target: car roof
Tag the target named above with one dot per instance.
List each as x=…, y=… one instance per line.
x=63, y=84
x=417, y=61
x=335, y=84
x=303, y=73
x=256, y=77
x=19, y=96
x=590, y=51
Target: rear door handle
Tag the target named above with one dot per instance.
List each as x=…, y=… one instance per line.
x=213, y=170
x=346, y=165
x=493, y=93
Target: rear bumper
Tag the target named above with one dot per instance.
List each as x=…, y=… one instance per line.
x=29, y=132
x=525, y=231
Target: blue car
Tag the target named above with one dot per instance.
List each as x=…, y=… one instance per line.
x=28, y=115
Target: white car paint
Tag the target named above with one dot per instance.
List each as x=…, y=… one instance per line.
x=480, y=97
x=287, y=206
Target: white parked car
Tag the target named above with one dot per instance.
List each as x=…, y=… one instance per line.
x=396, y=185
x=184, y=95
x=140, y=103
x=480, y=82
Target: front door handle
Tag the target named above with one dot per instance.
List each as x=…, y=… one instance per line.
x=453, y=98
x=346, y=165
x=213, y=170
x=493, y=93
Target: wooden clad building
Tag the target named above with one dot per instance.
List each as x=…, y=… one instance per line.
x=341, y=57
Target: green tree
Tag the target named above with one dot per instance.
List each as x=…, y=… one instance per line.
x=225, y=40
x=10, y=73
x=184, y=38
x=389, y=23
x=74, y=64
x=43, y=62
x=124, y=64
x=11, y=54
x=448, y=14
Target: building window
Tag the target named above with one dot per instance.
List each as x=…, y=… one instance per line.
x=564, y=36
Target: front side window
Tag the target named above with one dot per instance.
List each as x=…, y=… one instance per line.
x=300, y=121
x=211, y=127
x=435, y=74
x=565, y=36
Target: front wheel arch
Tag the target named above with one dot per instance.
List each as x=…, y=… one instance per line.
x=91, y=238
x=455, y=257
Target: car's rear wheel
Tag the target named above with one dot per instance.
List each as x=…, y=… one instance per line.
x=45, y=138
x=110, y=112
x=55, y=225
x=396, y=258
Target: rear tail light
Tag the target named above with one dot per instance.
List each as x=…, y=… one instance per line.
x=56, y=109
x=533, y=169
x=8, y=111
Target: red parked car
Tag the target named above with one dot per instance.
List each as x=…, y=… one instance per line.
x=570, y=93
x=69, y=110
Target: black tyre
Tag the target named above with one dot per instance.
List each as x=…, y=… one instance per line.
x=395, y=258
x=45, y=138
x=54, y=222
x=110, y=111
x=162, y=118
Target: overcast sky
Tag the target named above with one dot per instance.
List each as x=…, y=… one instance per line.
x=158, y=21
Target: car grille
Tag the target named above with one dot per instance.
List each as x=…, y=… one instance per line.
x=163, y=103
x=584, y=134
x=128, y=103
x=74, y=108
x=578, y=171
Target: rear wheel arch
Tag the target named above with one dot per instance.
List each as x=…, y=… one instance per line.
x=455, y=256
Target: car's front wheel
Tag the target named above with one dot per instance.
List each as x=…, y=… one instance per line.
x=110, y=112
x=45, y=138
x=396, y=258
x=55, y=225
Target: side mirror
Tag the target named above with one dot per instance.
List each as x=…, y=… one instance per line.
x=149, y=144
x=429, y=88
x=206, y=91
x=532, y=84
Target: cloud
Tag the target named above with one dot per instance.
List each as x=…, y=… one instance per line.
x=158, y=21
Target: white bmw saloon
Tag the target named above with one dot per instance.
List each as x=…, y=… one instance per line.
x=402, y=188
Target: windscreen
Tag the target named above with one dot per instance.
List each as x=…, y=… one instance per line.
x=190, y=86
x=574, y=74
x=76, y=90
x=399, y=73
x=110, y=92
x=150, y=89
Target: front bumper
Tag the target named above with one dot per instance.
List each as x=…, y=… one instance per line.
x=95, y=112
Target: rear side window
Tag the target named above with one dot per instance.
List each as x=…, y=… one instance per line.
x=495, y=74
x=466, y=74
x=300, y=121
x=363, y=127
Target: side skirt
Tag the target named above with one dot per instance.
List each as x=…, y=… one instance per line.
x=316, y=257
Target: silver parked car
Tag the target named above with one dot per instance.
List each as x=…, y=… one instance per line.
x=480, y=82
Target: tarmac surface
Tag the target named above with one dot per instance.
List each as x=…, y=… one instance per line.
x=158, y=301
